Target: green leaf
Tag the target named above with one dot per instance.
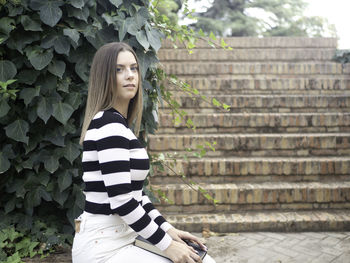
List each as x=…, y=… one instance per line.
x=10, y=205
x=7, y=70
x=116, y=3
x=57, y=68
x=71, y=152
x=4, y=163
x=27, y=76
x=4, y=108
x=59, y=197
x=30, y=24
x=44, y=194
x=39, y=58
x=216, y=102
x=77, y=3
x=212, y=36
x=27, y=94
x=62, y=45
x=74, y=99
x=50, y=13
x=44, y=109
x=131, y=26
x=72, y=33
x=82, y=14
x=142, y=39
x=64, y=180
x=51, y=163
x=122, y=30
x=55, y=137
x=17, y=131
x=62, y=112
x=141, y=17
x=7, y=25
x=154, y=38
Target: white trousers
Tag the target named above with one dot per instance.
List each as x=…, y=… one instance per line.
x=108, y=239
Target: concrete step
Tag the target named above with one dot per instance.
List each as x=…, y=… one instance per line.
x=257, y=123
x=251, y=54
x=254, y=169
x=240, y=68
x=266, y=42
x=255, y=196
x=266, y=103
x=281, y=221
x=264, y=84
x=275, y=144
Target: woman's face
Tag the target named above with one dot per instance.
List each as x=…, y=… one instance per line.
x=127, y=76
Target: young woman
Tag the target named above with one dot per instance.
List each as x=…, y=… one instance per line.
x=115, y=166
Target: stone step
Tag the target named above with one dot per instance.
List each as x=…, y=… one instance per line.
x=237, y=169
x=276, y=221
x=266, y=42
x=255, y=196
x=251, y=54
x=257, y=123
x=233, y=68
x=276, y=144
x=266, y=103
x=262, y=84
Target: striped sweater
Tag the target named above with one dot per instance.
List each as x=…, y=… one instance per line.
x=115, y=166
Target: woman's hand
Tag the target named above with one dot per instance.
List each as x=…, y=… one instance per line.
x=179, y=235
x=181, y=253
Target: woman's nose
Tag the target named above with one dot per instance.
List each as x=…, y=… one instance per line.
x=129, y=73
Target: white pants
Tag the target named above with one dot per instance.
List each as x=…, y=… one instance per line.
x=108, y=239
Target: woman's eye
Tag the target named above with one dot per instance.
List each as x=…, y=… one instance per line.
x=119, y=69
x=134, y=68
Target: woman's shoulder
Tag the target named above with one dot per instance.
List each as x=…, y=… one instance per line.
x=107, y=117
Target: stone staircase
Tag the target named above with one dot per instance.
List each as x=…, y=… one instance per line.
x=282, y=153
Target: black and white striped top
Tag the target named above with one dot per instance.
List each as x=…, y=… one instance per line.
x=115, y=166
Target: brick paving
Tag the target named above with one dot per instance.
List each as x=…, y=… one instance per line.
x=268, y=247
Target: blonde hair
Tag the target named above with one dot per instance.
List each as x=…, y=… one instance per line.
x=102, y=86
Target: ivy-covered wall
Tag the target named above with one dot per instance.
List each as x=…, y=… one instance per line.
x=46, y=47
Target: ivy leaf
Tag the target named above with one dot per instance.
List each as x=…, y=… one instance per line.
x=71, y=152
x=59, y=197
x=82, y=14
x=122, y=30
x=146, y=60
x=64, y=180
x=27, y=76
x=4, y=163
x=17, y=131
x=62, y=111
x=72, y=33
x=27, y=94
x=131, y=26
x=116, y=3
x=10, y=205
x=77, y=3
x=154, y=38
x=51, y=163
x=141, y=17
x=50, y=13
x=4, y=108
x=57, y=68
x=216, y=102
x=39, y=58
x=55, y=137
x=43, y=194
x=30, y=24
x=7, y=70
x=62, y=45
x=74, y=99
x=44, y=109
x=142, y=39
x=7, y=25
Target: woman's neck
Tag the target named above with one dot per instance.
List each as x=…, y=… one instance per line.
x=122, y=107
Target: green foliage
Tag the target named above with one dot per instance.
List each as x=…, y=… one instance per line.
x=342, y=56
x=45, y=55
x=261, y=18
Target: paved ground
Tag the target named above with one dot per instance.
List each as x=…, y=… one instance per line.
x=318, y=247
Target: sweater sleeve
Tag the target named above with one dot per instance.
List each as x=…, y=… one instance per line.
x=113, y=147
x=154, y=213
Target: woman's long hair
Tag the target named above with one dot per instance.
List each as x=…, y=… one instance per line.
x=103, y=85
